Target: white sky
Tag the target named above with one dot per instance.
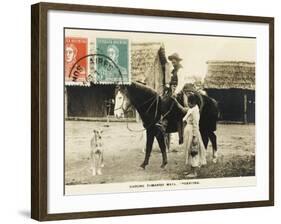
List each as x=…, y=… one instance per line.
x=197, y=50
x=194, y=50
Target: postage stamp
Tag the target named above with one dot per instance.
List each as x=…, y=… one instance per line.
x=76, y=66
x=116, y=68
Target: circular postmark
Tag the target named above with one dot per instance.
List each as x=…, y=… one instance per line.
x=102, y=70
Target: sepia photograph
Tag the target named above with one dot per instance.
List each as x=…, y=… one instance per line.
x=151, y=111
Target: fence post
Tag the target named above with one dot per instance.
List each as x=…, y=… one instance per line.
x=245, y=108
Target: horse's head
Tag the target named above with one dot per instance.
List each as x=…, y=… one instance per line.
x=122, y=102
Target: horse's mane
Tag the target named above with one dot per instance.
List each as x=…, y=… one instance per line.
x=141, y=88
x=146, y=101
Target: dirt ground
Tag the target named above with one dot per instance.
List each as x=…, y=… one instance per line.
x=123, y=154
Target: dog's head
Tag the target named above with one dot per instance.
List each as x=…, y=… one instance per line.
x=97, y=133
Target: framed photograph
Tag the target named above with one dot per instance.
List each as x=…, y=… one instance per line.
x=140, y=111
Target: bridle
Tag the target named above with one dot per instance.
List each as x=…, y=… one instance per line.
x=129, y=108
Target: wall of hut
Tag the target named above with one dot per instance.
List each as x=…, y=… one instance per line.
x=231, y=103
x=89, y=101
x=232, y=85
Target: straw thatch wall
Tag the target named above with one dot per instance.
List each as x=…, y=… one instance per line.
x=230, y=75
x=148, y=64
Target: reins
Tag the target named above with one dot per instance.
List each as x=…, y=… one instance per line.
x=155, y=113
x=155, y=100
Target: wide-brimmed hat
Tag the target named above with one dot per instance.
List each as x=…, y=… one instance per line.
x=190, y=87
x=174, y=56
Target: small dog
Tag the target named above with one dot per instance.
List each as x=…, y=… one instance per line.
x=96, y=152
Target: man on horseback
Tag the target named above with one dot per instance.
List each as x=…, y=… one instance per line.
x=176, y=94
x=173, y=86
x=176, y=81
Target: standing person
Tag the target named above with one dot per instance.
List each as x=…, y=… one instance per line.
x=195, y=153
x=208, y=114
x=177, y=78
x=182, y=103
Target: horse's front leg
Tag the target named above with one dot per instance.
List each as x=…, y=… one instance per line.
x=149, y=142
x=160, y=136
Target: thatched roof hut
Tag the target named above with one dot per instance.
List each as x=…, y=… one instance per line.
x=232, y=85
x=230, y=75
x=148, y=64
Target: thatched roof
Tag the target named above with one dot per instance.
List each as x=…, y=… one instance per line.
x=230, y=75
x=148, y=63
x=144, y=56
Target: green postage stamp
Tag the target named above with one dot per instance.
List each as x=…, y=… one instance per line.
x=114, y=63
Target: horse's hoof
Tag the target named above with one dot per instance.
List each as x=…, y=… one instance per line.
x=163, y=165
x=215, y=157
x=143, y=166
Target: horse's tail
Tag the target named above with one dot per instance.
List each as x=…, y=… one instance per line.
x=209, y=114
x=216, y=108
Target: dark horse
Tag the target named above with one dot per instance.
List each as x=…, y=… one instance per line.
x=159, y=115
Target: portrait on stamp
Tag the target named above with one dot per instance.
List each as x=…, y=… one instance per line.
x=117, y=51
x=75, y=49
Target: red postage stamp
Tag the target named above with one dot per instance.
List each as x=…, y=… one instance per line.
x=76, y=64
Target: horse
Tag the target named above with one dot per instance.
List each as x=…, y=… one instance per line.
x=161, y=115
x=148, y=104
